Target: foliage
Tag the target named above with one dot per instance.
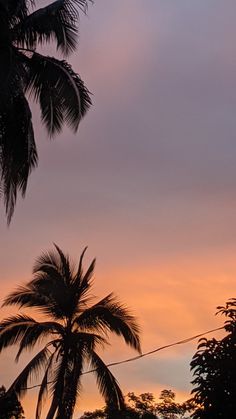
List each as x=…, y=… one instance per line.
x=97, y=414
x=214, y=367
x=145, y=406
x=73, y=328
x=10, y=407
x=106, y=413
x=60, y=92
x=168, y=408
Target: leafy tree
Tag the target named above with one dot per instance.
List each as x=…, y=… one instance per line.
x=97, y=414
x=214, y=368
x=73, y=328
x=168, y=408
x=60, y=92
x=145, y=406
x=10, y=407
x=125, y=413
x=106, y=413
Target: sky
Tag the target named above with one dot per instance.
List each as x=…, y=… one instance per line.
x=148, y=182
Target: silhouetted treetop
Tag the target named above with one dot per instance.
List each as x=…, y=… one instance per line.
x=214, y=368
x=73, y=330
x=60, y=92
x=145, y=406
x=10, y=407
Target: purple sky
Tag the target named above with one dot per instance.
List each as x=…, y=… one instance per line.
x=148, y=183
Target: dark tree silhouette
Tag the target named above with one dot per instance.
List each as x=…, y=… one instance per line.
x=168, y=408
x=10, y=407
x=60, y=92
x=214, y=367
x=107, y=413
x=96, y=414
x=73, y=330
x=145, y=406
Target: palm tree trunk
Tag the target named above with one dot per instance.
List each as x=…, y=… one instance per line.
x=64, y=410
x=65, y=413
x=66, y=407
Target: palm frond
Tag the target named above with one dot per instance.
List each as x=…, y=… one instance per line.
x=107, y=383
x=6, y=65
x=82, y=282
x=50, y=258
x=32, y=369
x=13, y=329
x=58, y=299
x=5, y=47
x=65, y=265
x=61, y=93
x=47, y=296
x=83, y=4
x=89, y=340
x=50, y=290
x=36, y=333
x=18, y=154
x=109, y=315
x=57, y=386
x=26, y=332
x=57, y=21
x=43, y=391
x=80, y=267
x=53, y=408
x=54, y=277
x=18, y=10
x=24, y=296
x=48, y=273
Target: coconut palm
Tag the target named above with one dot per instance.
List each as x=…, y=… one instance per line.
x=74, y=329
x=60, y=92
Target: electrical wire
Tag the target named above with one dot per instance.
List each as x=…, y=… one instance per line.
x=136, y=358
x=180, y=342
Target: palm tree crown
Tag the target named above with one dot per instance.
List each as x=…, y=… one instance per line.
x=74, y=329
x=60, y=92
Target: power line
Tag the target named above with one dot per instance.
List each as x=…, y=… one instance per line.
x=180, y=342
x=136, y=358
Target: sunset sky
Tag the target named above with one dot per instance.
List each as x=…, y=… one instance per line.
x=148, y=182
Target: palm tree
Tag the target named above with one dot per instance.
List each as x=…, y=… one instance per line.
x=74, y=328
x=60, y=92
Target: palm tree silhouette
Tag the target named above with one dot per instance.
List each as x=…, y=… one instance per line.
x=60, y=92
x=74, y=329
